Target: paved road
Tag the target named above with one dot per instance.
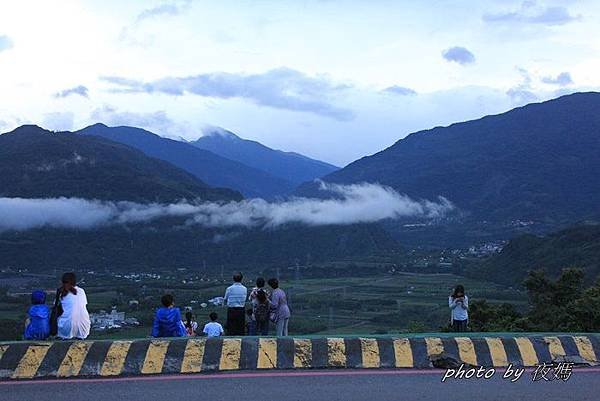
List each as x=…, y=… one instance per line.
x=308, y=386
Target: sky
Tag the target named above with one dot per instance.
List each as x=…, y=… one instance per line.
x=334, y=80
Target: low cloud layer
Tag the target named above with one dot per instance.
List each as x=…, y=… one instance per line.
x=358, y=203
x=281, y=88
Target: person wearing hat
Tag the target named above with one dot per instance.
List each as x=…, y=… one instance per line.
x=37, y=326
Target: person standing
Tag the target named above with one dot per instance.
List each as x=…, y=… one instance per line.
x=74, y=322
x=459, y=306
x=262, y=311
x=280, y=312
x=235, y=299
x=259, y=297
x=260, y=285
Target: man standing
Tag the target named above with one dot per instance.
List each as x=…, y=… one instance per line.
x=235, y=298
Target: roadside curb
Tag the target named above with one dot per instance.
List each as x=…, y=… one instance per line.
x=32, y=360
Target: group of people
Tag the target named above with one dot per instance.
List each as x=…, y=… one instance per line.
x=266, y=306
x=69, y=317
x=247, y=314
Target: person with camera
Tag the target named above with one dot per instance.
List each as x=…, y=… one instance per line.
x=459, y=306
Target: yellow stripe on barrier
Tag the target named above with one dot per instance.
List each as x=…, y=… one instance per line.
x=434, y=346
x=155, y=357
x=528, y=354
x=31, y=361
x=267, y=353
x=555, y=347
x=403, y=353
x=192, y=356
x=497, y=351
x=115, y=358
x=302, y=353
x=230, y=354
x=73, y=360
x=466, y=350
x=370, y=353
x=336, y=352
x=585, y=348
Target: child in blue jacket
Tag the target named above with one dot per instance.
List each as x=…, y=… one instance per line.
x=167, y=322
x=37, y=326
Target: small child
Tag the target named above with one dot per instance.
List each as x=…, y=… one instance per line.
x=167, y=322
x=37, y=326
x=250, y=322
x=190, y=324
x=213, y=328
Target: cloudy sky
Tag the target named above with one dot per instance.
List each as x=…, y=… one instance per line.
x=335, y=80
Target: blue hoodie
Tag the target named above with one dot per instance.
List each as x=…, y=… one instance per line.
x=39, y=323
x=167, y=323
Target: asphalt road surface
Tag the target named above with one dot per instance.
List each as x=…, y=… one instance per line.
x=308, y=386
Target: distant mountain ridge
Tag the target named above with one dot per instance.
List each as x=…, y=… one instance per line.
x=211, y=168
x=37, y=163
x=538, y=162
x=290, y=166
x=577, y=246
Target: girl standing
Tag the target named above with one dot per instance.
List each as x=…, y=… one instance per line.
x=459, y=306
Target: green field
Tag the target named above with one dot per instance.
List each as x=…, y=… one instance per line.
x=383, y=304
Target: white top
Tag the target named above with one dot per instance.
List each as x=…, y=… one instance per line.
x=459, y=309
x=235, y=295
x=75, y=319
x=194, y=325
x=213, y=329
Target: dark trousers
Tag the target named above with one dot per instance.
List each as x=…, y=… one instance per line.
x=459, y=326
x=236, y=321
x=262, y=328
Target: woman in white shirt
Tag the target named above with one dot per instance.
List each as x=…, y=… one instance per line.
x=459, y=306
x=74, y=322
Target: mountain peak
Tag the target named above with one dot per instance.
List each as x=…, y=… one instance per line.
x=31, y=129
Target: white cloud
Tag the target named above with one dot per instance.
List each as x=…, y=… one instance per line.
x=6, y=43
x=59, y=121
x=531, y=13
x=459, y=54
x=281, y=88
x=77, y=90
x=358, y=203
x=400, y=90
x=562, y=79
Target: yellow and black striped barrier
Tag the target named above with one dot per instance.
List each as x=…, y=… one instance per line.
x=30, y=360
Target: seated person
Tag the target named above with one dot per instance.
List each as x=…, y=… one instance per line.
x=37, y=326
x=167, y=322
x=213, y=328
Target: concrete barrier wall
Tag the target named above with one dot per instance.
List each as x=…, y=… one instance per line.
x=30, y=360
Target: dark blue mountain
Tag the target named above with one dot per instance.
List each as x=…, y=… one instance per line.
x=539, y=163
x=211, y=168
x=290, y=166
x=37, y=163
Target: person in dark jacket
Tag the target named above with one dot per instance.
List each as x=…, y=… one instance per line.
x=38, y=321
x=167, y=322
